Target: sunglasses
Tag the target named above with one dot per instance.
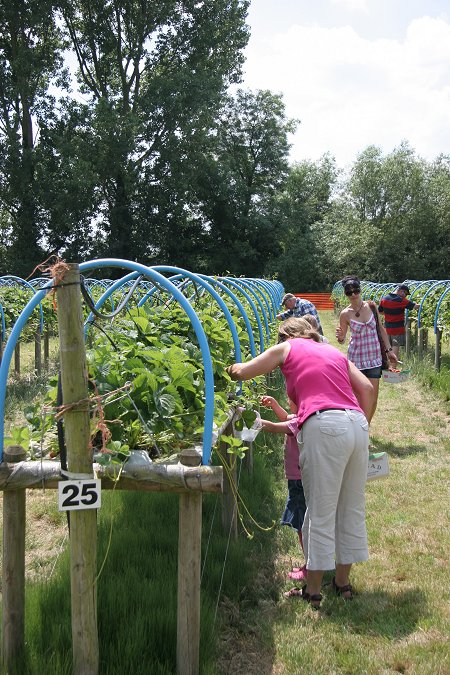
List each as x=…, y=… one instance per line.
x=352, y=290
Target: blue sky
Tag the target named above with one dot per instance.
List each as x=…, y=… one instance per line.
x=355, y=72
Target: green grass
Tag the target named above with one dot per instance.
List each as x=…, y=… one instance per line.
x=398, y=623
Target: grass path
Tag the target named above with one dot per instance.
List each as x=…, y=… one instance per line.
x=399, y=621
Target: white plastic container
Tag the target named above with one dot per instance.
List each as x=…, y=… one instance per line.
x=395, y=378
x=378, y=466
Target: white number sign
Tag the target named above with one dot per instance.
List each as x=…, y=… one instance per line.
x=74, y=495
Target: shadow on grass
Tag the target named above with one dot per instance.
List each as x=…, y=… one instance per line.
x=378, y=613
x=393, y=450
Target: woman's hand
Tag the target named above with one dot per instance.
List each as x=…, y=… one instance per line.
x=340, y=336
x=392, y=357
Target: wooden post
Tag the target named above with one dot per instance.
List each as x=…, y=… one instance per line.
x=46, y=347
x=13, y=637
x=425, y=340
x=189, y=563
x=37, y=352
x=17, y=359
x=408, y=338
x=229, y=506
x=83, y=524
x=437, y=350
x=421, y=343
x=248, y=458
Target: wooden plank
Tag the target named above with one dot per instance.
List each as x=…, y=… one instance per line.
x=152, y=478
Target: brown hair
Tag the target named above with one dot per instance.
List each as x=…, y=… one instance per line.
x=296, y=327
x=311, y=320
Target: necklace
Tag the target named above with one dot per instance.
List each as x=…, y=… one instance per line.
x=358, y=310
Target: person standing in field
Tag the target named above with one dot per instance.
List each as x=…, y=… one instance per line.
x=393, y=306
x=332, y=399
x=298, y=307
x=364, y=349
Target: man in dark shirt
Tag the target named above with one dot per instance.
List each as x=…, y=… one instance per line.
x=393, y=307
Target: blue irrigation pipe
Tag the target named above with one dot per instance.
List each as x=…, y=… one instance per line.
x=270, y=290
x=427, y=293
x=165, y=283
x=249, y=287
x=438, y=306
x=215, y=282
x=9, y=351
x=179, y=274
x=417, y=285
x=198, y=328
x=264, y=294
x=233, y=284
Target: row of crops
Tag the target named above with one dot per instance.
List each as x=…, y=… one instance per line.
x=158, y=342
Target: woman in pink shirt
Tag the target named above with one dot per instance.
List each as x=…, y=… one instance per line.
x=333, y=400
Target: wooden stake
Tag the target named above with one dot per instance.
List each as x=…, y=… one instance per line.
x=13, y=637
x=189, y=561
x=229, y=507
x=408, y=339
x=437, y=350
x=247, y=462
x=46, y=347
x=83, y=524
x=37, y=353
x=17, y=359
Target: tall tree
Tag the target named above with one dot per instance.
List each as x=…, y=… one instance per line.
x=392, y=219
x=302, y=205
x=154, y=72
x=241, y=176
x=30, y=55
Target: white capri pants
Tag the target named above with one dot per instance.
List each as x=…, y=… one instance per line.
x=333, y=459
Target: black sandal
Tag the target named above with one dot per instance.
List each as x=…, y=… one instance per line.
x=341, y=590
x=314, y=600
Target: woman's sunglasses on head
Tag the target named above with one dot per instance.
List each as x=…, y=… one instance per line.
x=352, y=290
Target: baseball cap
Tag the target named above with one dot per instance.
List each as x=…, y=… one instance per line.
x=403, y=287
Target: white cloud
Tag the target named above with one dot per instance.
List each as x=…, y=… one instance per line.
x=352, y=5
x=350, y=92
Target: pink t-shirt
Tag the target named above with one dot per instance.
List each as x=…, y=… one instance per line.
x=291, y=458
x=317, y=378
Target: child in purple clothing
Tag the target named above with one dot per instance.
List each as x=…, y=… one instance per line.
x=294, y=512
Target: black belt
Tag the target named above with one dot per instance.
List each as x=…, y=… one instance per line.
x=321, y=411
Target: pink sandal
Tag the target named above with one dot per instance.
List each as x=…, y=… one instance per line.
x=298, y=573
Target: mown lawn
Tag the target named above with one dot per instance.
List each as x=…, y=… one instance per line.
x=398, y=623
